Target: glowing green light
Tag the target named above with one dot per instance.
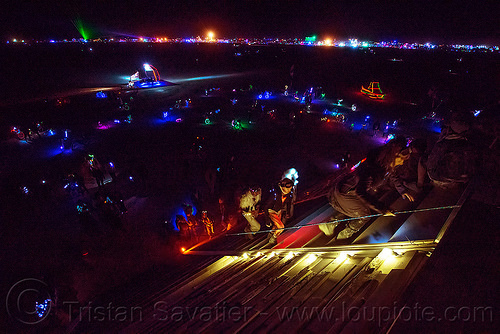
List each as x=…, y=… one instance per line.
x=82, y=29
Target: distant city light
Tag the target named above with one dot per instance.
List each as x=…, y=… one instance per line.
x=86, y=32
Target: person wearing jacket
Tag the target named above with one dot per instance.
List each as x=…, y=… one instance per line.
x=355, y=193
x=279, y=207
x=249, y=205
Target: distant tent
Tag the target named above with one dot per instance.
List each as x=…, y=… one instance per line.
x=373, y=91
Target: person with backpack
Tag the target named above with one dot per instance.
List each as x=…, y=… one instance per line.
x=453, y=159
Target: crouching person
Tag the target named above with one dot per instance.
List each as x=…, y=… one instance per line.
x=279, y=208
x=249, y=205
x=355, y=194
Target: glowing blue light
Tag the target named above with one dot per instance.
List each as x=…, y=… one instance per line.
x=293, y=175
x=42, y=308
x=207, y=77
x=117, y=121
x=66, y=133
x=101, y=95
x=476, y=112
x=111, y=164
x=390, y=137
x=131, y=178
x=150, y=84
x=165, y=114
x=147, y=67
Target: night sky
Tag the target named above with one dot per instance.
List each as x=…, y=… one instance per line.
x=402, y=20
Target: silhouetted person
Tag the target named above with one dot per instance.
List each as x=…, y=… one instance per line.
x=454, y=159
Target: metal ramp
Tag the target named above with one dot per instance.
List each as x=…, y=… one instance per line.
x=283, y=291
x=305, y=283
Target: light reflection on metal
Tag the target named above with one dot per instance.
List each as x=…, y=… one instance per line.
x=289, y=256
x=385, y=254
x=309, y=259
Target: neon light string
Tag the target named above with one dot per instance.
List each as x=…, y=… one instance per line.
x=156, y=73
x=347, y=219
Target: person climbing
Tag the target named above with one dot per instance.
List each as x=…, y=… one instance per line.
x=279, y=208
x=353, y=194
x=249, y=205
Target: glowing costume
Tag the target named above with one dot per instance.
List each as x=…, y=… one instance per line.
x=208, y=223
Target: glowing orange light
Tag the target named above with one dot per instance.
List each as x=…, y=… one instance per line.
x=373, y=91
x=210, y=35
x=328, y=41
x=183, y=250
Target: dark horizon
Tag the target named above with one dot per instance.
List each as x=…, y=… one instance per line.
x=414, y=21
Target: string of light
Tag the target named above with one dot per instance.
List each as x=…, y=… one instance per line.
x=347, y=219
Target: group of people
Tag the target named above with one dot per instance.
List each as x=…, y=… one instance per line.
x=188, y=224
x=405, y=167
x=277, y=208
x=402, y=165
